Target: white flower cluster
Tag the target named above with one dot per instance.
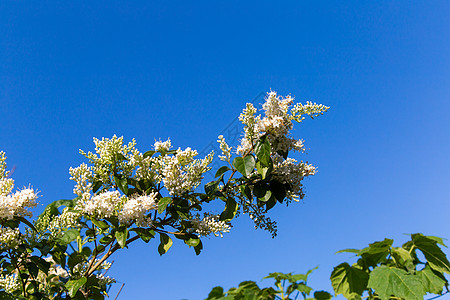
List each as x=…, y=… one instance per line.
x=136, y=208
x=226, y=149
x=311, y=109
x=181, y=172
x=163, y=146
x=276, y=124
x=102, y=205
x=67, y=219
x=291, y=172
x=9, y=283
x=81, y=269
x=210, y=224
x=82, y=175
x=55, y=269
x=110, y=152
x=16, y=204
x=10, y=238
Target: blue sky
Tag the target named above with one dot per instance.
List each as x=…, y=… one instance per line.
x=70, y=71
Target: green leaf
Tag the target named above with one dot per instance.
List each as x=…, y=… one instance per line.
x=166, y=243
x=350, y=250
x=322, y=295
x=278, y=190
x=96, y=186
x=432, y=282
x=262, y=151
x=231, y=208
x=246, y=191
x=149, y=153
x=69, y=236
x=100, y=224
x=198, y=248
x=23, y=220
x=121, y=183
x=395, y=282
x=146, y=234
x=348, y=281
x=221, y=171
x=193, y=241
x=245, y=165
x=216, y=293
x=262, y=192
x=434, y=255
x=263, y=170
x=74, y=285
x=162, y=204
x=121, y=237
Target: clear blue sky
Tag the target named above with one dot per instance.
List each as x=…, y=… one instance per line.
x=73, y=70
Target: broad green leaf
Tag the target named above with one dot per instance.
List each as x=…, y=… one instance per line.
x=303, y=288
x=322, y=295
x=121, y=237
x=262, y=192
x=162, y=204
x=278, y=190
x=263, y=170
x=193, y=241
x=166, y=243
x=348, y=281
x=231, y=208
x=74, y=285
x=122, y=184
x=145, y=234
x=69, y=236
x=437, y=239
x=198, y=248
x=221, y=171
x=434, y=255
x=431, y=281
x=401, y=256
x=396, y=282
x=23, y=220
x=216, y=293
x=378, y=247
x=245, y=190
x=245, y=165
x=100, y=224
x=262, y=151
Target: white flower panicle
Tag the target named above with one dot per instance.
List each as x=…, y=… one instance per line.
x=67, y=219
x=311, y=109
x=136, y=209
x=9, y=283
x=10, y=238
x=182, y=173
x=82, y=175
x=100, y=206
x=162, y=146
x=292, y=173
x=210, y=224
x=111, y=152
x=226, y=149
x=16, y=204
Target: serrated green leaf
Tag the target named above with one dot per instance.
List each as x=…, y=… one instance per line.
x=396, y=282
x=162, y=204
x=166, y=243
x=431, y=281
x=434, y=255
x=348, y=281
x=74, y=285
x=244, y=165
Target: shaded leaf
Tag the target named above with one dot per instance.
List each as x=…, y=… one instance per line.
x=434, y=255
x=74, y=285
x=166, y=243
x=162, y=204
